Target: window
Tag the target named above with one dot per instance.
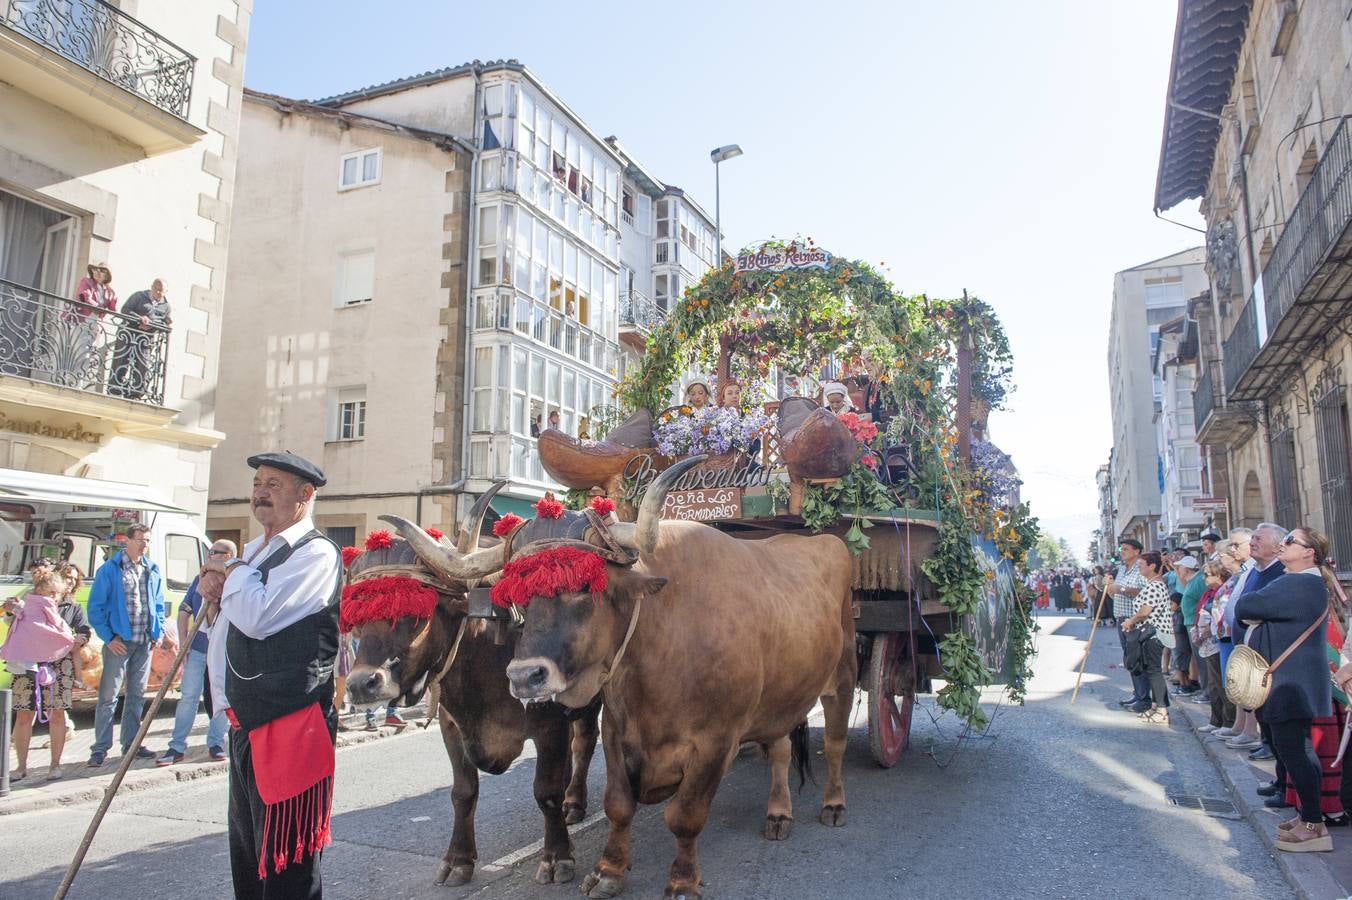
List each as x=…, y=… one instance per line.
x=1285, y=482
x=183, y=560
x=359, y=169
x=342, y=535
x=349, y=417
x=356, y=277
x=627, y=206
x=1335, y=462
x=645, y=214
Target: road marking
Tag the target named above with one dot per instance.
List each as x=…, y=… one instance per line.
x=421, y=819
x=535, y=847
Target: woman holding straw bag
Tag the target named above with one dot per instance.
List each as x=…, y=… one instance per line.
x=1289, y=613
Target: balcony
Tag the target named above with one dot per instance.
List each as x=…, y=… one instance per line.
x=99, y=64
x=1218, y=422
x=638, y=316
x=1306, y=283
x=68, y=349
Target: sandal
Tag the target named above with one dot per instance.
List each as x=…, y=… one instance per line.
x=55, y=774
x=20, y=775
x=1305, y=839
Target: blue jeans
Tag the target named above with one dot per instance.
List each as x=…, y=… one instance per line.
x=1227, y=647
x=191, y=686
x=135, y=665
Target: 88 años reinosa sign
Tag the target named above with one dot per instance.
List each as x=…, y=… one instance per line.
x=780, y=259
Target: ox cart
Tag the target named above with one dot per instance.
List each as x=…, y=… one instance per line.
x=836, y=404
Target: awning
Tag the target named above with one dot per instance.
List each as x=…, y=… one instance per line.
x=35, y=487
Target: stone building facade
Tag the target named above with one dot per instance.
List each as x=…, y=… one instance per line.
x=1256, y=126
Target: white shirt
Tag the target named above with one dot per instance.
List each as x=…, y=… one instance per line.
x=301, y=586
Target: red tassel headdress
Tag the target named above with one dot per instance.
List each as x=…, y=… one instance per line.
x=548, y=573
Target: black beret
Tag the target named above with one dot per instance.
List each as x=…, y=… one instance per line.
x=1131, y=542
x=290, y=462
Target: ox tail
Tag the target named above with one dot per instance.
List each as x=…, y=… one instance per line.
x=801, y=754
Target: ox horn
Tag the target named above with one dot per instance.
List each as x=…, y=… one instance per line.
x=443, y=560
x=642, y=535
x=468, y=540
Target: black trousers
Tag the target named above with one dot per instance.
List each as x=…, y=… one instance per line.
x=1154, y=672
x=1181, y=658
x=299, y=880
x=1295, y=752
x=1222, y=710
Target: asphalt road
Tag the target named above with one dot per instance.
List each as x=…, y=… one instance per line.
x=1054, y=801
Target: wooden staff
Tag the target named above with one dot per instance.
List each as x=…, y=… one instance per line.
x=1103, y=596
x=129, y=756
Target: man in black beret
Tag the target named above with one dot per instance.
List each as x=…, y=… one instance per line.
x=270, y=659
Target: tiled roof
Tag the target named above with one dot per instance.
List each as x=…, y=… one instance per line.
x=1207, y=42
x=431, y=77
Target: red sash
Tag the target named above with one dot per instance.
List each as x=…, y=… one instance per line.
x=293, y=765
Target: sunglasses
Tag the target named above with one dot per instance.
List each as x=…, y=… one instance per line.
x=1291, y=539
x=214, y=552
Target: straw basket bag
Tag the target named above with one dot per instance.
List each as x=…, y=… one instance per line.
x=1248, y=677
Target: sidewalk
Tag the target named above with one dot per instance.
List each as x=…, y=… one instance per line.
x=82, y=784
x=1315, y=876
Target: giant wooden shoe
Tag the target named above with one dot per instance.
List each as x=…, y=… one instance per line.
x=584, y=465
x=814, y=445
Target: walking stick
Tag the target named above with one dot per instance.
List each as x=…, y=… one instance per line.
x=129, y=757
x=1103, y=595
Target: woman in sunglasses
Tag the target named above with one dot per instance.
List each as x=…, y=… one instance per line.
x=1284, y=613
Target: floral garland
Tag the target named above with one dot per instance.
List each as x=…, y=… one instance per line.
x=714, y=430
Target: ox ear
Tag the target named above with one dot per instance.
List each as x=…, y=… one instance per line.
x=631, y=583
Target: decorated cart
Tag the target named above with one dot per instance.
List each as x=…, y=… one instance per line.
x=834, y=403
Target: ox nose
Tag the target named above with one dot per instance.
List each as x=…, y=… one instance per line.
x=364, y=687
x=527, y=679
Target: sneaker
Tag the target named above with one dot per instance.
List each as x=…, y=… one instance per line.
x=96, y=759
x=1207, y=728
x=1262, y=754
x=1201, y=700
x=217, y=754
x=168, y=758
x=141, y=753
x=1241, y=742
x=1224, y=731
x=394, y=720
x=1139, y=708
x=371, y=725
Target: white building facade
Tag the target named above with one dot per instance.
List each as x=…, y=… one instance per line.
x=1145, y=297
x=1175, y=364
x=118, y=135
x=526, y=310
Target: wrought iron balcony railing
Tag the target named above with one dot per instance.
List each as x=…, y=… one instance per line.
x=1317, y=223
x=1205, y=396
x=637, y=309
x=71, y=344
x=119, y=49
x=1241, y=346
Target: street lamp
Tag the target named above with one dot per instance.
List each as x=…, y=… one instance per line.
x=718, y=155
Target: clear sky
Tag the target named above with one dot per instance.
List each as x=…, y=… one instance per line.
x=1006, y=148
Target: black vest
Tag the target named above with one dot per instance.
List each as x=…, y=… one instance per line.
x=275, y=676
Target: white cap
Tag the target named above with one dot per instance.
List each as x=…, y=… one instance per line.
x=835, y=387
x=1187, y=561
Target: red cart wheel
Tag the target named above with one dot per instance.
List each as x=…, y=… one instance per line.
x=891, y=697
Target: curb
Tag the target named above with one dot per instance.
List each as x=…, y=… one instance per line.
x=153, y=779
x=1307, y=874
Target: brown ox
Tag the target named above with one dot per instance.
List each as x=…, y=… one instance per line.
x=729, y=641
x=482, y=725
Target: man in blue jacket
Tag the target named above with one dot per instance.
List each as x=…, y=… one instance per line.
x=126, y=610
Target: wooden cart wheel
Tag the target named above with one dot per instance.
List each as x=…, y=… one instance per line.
x=891, y=697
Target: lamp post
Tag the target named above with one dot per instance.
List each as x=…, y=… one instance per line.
x=718, y=155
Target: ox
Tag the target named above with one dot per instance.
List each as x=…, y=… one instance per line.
x=483, y=727
x=736, y=641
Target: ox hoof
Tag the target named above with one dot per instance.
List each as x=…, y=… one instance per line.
x=573, y=812
x=834, y=816
x=778, y=828
x=455, y=875
x=559, y=871
x=684, y=893
x=599, y=886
